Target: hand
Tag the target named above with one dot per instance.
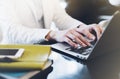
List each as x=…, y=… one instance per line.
x=86, y=31
x=77, y=36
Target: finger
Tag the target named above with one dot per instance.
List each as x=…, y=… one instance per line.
x=101, y=29
x=89, y=35
x=98, y=31
x=103, y=23
x=80, y=42
x=75, y=39
x=80, y=39
x=86, y=33
x=71, y=36
x=70, y=42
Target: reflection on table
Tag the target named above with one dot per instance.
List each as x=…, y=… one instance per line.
x=103, y=67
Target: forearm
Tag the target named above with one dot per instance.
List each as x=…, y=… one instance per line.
x=23, y=35
x=66, y=22
x=62, y=19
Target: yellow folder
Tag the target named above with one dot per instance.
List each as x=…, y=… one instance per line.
x=33, y=57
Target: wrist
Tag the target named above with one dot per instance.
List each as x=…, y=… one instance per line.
x=80, y=25
x=50, y=36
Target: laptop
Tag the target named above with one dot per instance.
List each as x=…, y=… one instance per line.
x=108, y=43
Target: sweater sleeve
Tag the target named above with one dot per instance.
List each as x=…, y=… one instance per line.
x=62, y=19
x=15, y=32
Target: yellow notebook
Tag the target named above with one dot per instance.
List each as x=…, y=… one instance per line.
x=34, y=57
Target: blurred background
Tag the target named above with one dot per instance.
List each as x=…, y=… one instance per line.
x=90, y=11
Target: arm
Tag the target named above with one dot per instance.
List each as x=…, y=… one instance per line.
x=69, y=32
x=14, y=31
x=62, y=19
x=17, y=33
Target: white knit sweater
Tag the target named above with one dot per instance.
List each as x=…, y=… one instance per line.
x=28, y=21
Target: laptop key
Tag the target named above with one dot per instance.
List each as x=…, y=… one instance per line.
x=81, y=50
x=74, y=50
x=87, y=51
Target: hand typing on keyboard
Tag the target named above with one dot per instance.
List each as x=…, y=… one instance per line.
x=78, y=35
x=89, y=40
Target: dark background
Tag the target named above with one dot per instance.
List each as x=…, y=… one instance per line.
x=88, y=11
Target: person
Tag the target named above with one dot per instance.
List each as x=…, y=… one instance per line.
x=29, y=22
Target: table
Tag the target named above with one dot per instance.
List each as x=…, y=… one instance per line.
x=103, y=67
x=63, y=67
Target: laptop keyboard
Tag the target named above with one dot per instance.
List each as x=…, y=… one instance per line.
x=81, y=50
